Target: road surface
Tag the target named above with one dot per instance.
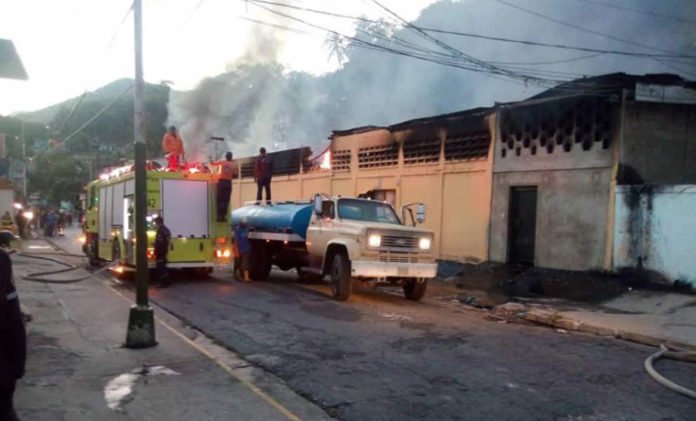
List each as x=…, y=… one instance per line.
x=379, y=356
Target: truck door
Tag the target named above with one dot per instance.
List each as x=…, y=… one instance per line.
x=320, y=228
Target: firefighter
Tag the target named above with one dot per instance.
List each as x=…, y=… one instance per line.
x=263, y=171
x=173, y=147
x=13, y=337
x=228, y=171
x=242, y=248
x=162, y=239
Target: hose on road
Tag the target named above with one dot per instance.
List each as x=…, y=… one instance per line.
x=665, y=352
x=39, y=276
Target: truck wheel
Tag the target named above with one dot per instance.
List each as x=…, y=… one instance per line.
x=341, y=281
x=414, y=289
x=260, y=262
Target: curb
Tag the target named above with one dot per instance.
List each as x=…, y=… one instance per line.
x=557, y=320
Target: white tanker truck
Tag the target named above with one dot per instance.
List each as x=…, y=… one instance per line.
x=341, y=240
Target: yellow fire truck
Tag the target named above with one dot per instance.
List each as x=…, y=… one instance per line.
x=186, y=201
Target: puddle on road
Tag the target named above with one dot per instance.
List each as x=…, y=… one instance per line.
x=119, y=390
x=396, y=317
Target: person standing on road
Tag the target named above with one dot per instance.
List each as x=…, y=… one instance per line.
x=173, y=147
x=242, y=248
x=228, y=171
x=162, y=239
x=263, y=171
x=13, y=338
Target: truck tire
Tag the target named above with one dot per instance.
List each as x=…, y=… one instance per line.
x=341, y=281
x=414, y=289
x=260, y=262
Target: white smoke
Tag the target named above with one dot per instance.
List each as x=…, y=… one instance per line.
x=259, y=103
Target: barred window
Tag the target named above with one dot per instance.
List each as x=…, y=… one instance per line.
x=421, y=151
x=378, y=156
x=469, y=147
x=340, y=160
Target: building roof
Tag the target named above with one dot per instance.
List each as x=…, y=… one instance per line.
x=611, y=84
x=11, y=66
x=603, y=85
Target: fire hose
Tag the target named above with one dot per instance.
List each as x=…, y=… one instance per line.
x=39, y=276
x=680, y=355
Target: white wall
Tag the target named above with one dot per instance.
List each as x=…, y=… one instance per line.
x=656, y=225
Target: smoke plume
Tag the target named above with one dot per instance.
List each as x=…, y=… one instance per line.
x=260, y=103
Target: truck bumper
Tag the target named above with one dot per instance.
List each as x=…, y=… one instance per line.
x=372, y=269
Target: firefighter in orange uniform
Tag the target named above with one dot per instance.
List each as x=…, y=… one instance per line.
x=173, y=148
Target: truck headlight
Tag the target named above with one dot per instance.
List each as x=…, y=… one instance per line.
x=424, y=243
x=374, y=240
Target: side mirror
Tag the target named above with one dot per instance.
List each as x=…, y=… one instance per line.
x=318, y=205
x=420, y=213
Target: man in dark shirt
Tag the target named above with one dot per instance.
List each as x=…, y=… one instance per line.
x=162, y=239
x=13, y=339
x=263, y=171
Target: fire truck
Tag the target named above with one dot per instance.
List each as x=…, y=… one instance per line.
x=186, y=201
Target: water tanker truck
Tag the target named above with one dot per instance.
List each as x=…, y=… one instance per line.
x=341, y=240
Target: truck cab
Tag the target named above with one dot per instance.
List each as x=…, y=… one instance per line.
x=366, y=240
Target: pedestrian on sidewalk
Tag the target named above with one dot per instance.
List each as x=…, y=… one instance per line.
x=263, y=171
x=228, y=171
x=13, y=338
x=242, y=248
x=162, y=239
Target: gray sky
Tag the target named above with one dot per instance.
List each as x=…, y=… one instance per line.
x=66, y=45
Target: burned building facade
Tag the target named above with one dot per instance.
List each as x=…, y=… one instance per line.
x=595, y=174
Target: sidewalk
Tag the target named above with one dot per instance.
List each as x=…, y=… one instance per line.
x=644, y=316
x=77, y=368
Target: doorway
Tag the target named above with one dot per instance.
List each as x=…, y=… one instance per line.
x=522, y=225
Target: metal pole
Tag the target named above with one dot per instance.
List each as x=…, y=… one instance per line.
x=141, y=324
x=24, y=164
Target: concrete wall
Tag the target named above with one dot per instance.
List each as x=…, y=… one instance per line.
x=574, y=179
x=457, y=193
x=655, y=231
x=572, y=216
x=659, y=144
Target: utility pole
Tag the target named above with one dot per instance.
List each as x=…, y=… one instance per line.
x=24, y=164
x=141, y=321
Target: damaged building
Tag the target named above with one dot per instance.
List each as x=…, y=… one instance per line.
x=595, y=174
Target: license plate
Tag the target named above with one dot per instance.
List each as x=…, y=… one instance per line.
x=402, y=271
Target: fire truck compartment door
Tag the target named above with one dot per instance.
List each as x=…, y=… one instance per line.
x=185, y=208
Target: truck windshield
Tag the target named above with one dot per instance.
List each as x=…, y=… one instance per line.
x=365, y=210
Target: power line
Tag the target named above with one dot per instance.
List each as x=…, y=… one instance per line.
x=569, y=86
x=118, y=29
x=456, y=52
x=94, y=117
x=486, y=37
x=641, y=12
x=583, y=29
x=535, y=63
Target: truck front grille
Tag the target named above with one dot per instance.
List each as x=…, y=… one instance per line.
x=400, y=242
x=398, y=258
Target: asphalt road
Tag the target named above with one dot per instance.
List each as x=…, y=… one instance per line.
x=379, y=356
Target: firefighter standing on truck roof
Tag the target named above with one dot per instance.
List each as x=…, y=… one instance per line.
x=173, y=147
x=263, y=171
x=162, y=239
x=228, y=171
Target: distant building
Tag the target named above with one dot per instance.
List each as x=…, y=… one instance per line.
x=595, y=174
